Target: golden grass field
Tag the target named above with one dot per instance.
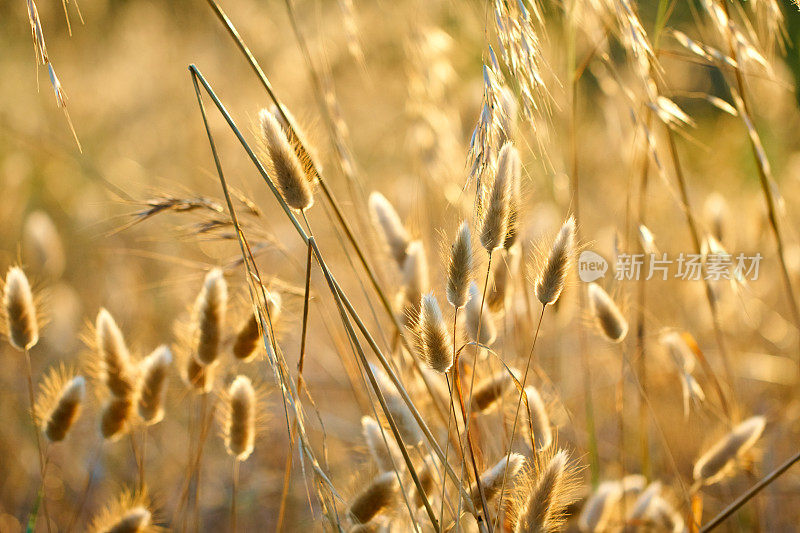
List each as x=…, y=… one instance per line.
x=333, y=265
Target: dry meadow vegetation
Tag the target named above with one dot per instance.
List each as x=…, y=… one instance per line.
x=310, y=265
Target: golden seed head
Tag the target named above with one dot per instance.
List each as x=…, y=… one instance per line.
x=59, y=402
x=390, y=227
x=23, y=328
x=209, y=317
x=240, y=428
x=385, y=452
x=284, y=165
x=539, y=420
x=437, y=350
x=553, y=276
x=153, y=385
x=248, y=338
x=459, y=269
x=489, y=390
x=540, y=500
x=115, y=416
x=495, y=219
x=128, y=513
x=377, y=497
x=606, y=313
x=114, y=359
x=505, y=470
x=716, y=462
x=415, y=282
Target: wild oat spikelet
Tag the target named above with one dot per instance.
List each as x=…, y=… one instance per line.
x=240, y=426
x=114, y=359
x=284, y=165
x=492, y=479
x=59, y=402
x=415, y=282
x=489, y=390
x=459, y=269
x=153, y=385
x=488, y=332
x=541, y=499
x=607, y=314
x=553, y=276
x=539, y=419
x=514, y=203
x=129, y=513
x=248, y=338
x=115, y=416
x=23, y=328
x=388, y=222
x=385, y=458
x=209, y=317
x=495, y=219
x=717, y=462
x=379, y=496
x=437, y=350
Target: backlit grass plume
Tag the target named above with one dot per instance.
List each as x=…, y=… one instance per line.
x=115, y=367
x=380, y=495
x=240, y=419
x=539, y=420
x=607, y=315
x=541, y=499
x=459, y=269
x=390, y=227
x=209, y=317
x=153, y=384
x=59, y=402
x=495, y=219
x=284, y=166
x=553, y=275
x=128, y=513
x=248, y=338
x=717, y=462
x=437, y=349
x=415, y=282
x=385, y=453
x=20, y=311
x=492, y=479
x=115, y=417
x=489, y=390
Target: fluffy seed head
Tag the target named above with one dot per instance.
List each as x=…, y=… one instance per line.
x=153, y=385
x=437, y=350
x=539, y=420
x=59, y=403
x=302, y=148
x=127, y=514
x=209, y=317
x=378, y=447
x=23, y=328
x=114, y=359
x=284, y=165
x=492, y=479
x=42, y=245
x=495, y=220
x=490, y=390
x=459, y=269
x=606, y=314
x=388, y=223
x=115, y=416
x=716, y=462
x=199, y=378
x=415, y=282
x=241, y=421
x=248, y=338
x=488, y=332
x=553, y=276
x=379, y=495
x=540, y=501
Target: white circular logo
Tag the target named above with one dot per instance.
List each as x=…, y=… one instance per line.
x=591, y=266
